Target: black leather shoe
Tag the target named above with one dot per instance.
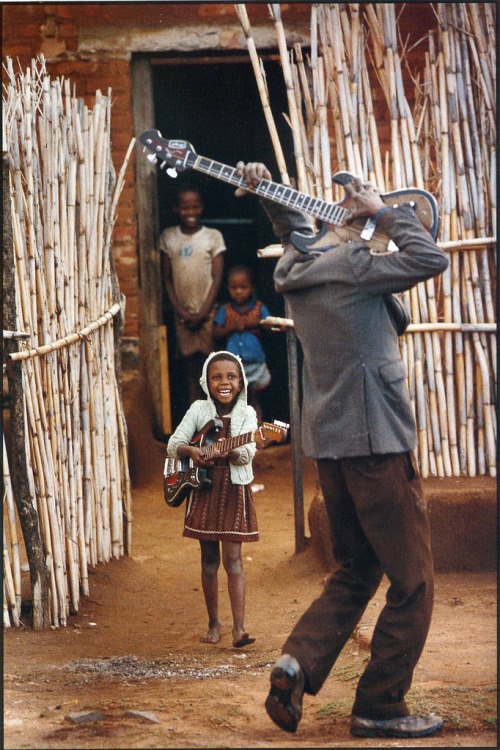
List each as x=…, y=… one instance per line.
x=401, y=726
x=284, y=702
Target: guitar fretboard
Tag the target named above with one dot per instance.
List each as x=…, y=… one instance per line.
x=228, y=444
x=332, y=213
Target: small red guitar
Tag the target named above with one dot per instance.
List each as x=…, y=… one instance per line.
x=180, y=475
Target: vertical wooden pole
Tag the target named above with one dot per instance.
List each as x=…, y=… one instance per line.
x=296, y=438
x=166, y=414
x=28, y=517
x=146, y=193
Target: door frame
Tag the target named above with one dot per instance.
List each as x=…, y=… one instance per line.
x=146, y=201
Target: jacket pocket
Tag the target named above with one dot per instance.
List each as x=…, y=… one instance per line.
x=393, y=371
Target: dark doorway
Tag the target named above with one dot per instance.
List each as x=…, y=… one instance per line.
x=215, y=105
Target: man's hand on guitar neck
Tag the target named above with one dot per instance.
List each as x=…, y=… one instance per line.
x=253, y=173
x=362, y=199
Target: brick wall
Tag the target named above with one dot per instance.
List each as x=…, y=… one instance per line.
x=54, y=30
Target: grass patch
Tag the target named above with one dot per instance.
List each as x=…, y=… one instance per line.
x=233, y=709
x=469, y=708
x=339, y=709
x=220, y=721
x=465, y=708
x=348, y=672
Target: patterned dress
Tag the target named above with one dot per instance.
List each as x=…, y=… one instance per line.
x=225, y=511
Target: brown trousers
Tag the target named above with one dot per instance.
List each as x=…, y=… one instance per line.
x=379, y=525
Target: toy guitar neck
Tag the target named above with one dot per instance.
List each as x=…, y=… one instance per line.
x=180, y=155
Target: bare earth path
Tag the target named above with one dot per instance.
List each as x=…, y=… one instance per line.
x=134, y=644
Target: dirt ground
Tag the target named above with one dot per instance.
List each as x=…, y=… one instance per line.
x=134, y=645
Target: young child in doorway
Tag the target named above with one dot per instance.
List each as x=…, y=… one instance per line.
x=193, y=266
x=225, y=512
x=238, y=323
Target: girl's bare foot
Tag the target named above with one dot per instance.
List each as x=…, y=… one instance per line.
x=241, y=638
x=213, y=634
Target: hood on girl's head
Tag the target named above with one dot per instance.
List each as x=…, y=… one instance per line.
x=224, y=355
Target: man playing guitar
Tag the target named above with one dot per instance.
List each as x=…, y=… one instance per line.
x=358, y=424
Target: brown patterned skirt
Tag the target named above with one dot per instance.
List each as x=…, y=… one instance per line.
x=224, y=511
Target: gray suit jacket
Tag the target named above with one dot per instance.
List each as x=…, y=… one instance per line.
x=355, y=397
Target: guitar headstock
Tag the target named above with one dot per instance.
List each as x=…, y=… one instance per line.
x=178, y=155
x=271, y=433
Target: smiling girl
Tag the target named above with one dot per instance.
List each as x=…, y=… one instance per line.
x=222, y=515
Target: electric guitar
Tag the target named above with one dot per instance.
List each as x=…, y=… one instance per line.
x=180, y=475
x=180, y=155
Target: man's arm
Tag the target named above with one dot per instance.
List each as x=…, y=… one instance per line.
x=418, y=259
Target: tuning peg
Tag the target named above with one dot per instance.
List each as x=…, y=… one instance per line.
x=151, y=158
x=171, y=171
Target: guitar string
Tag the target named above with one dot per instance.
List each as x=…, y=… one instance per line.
x=331, y=212
x=236, y=441
x=227, y=444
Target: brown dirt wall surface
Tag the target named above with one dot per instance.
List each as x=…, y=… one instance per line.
x=134, y=644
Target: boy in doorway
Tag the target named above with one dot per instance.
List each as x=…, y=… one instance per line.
x=238, y=324
x=192, y=270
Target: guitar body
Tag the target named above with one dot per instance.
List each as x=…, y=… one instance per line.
x=180, y=475
x=423, y=203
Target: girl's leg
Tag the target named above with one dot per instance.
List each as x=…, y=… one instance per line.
x=233, y=565
x=210, y=561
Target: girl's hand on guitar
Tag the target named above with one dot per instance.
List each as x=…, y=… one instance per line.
x=362, y=199
x=252, y=173
x=232, y=455
x=198, y=457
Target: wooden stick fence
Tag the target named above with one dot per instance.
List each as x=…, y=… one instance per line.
x=441, y=138
x=11, y=557
x=71, y=338
x=63, y=202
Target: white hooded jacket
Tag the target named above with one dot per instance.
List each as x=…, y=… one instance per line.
x=243, y=419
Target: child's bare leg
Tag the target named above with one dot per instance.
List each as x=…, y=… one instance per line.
x=210, y=561
x=233, y=565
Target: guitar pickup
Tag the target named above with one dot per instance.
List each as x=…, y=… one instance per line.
x=368, y=230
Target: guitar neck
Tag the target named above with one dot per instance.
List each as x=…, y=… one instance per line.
x=332, y=213
x=228, y=444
